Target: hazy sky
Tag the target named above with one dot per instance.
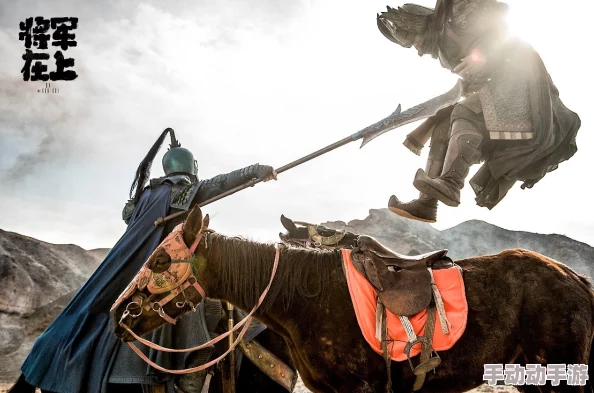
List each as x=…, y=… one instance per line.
x=249, y=81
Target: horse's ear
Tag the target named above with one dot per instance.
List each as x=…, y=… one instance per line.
x=205, y=222
x=192, y=225
x=288, y=224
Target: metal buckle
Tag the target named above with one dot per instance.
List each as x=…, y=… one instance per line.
x=129, y=312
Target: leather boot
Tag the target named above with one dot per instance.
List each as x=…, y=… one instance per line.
x=424, y=208
x=463, y=151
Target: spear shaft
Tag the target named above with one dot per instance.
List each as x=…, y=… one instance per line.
x=253, y=182
x=395, y=120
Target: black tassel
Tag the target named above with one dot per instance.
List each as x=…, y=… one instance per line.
x=144, y=169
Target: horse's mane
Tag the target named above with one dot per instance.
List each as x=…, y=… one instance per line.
x=246, y=267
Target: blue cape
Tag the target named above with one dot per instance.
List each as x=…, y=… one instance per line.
x=75, y=352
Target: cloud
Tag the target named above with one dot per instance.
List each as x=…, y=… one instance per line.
x=244, y=82
x=125, y=51
x=35, y=129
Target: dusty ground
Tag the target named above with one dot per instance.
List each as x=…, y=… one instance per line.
x=301, y=389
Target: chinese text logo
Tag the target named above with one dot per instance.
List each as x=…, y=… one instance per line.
x=38, y=36
x=536, y=374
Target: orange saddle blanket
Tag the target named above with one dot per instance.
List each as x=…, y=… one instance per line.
x=450, y=285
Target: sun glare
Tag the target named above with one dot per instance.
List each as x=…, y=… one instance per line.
x=523, y=23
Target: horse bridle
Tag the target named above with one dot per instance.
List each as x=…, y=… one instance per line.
x=139, y=303
x=157, y=306
x=176, y=290
x=316, y=240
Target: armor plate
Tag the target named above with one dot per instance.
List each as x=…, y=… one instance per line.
x=182, y=195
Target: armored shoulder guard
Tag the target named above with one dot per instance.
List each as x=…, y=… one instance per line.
x=183, y=190
x=183, y=194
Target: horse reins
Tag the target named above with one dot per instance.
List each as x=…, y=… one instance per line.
x=180, y=289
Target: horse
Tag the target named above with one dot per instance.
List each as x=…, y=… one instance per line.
x=249, y=379
x=522, y=308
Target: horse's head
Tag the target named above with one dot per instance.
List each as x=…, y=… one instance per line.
x=315, y=236
x=165, y=288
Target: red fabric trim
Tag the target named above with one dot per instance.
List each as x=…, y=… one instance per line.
x=364, y=297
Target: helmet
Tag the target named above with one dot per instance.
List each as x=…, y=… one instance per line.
x=403, y=24
x=178, y=159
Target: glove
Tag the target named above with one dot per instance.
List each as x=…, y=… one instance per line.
x=265, y=172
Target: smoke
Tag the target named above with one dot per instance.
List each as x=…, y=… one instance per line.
x=125, y=48
x=36, y=129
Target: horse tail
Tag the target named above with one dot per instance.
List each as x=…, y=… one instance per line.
x=22, y=386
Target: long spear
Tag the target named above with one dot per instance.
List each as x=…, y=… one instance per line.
x=255, y=181
x=395, y=120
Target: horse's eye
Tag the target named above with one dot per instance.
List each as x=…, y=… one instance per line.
x=160, y=264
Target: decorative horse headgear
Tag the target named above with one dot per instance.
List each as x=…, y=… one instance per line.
x=177, y=278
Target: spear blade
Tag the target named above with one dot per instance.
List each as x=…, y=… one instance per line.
x=417, y=112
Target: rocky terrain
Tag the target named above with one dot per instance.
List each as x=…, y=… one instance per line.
x=465, y=240
x=38, y=278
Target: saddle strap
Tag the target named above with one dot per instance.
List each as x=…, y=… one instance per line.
x=206, y=385
x=269, y=364
x=427, y=347
x=408, y=328
x=443, y=319
x=384, y=340
x=379, y=316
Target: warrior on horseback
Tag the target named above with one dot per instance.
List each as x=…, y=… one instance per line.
x=79, y=351
x=511, y=117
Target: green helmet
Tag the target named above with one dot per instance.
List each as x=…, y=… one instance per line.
x=178, y=159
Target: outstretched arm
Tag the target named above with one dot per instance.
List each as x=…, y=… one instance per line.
x=225, y=182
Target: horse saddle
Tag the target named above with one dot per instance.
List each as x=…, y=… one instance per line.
x=403, y=283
